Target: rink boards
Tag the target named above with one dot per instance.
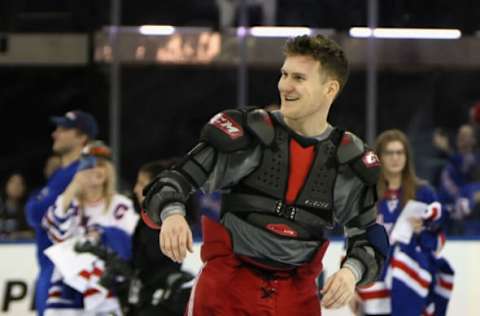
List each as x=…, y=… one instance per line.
x=19, y=267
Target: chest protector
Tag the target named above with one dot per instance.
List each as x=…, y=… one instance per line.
x=264, y=190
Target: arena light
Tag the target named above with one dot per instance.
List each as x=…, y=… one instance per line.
x=400, y=33
x=156, y=29
x=279, y=31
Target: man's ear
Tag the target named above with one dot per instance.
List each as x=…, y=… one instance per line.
x=333, y=87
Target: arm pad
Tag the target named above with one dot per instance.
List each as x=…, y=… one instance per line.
x=169, y=187
x=371, y=249
x=175, y=185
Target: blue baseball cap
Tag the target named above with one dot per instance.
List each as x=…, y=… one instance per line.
x=83, y=121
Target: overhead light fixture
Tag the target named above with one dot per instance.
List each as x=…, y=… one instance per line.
x=156, y=29
x=279, y=31
x=402, y=33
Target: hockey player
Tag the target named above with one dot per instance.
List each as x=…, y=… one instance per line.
x=288, y=176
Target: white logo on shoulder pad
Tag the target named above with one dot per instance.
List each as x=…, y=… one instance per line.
x=370, y=159
x=227, y=125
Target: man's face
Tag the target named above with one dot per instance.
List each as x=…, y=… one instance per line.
x=304, y=88
x=67, y=139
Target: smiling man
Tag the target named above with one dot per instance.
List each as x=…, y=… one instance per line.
x=288, y=176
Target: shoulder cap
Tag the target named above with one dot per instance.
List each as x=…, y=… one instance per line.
x=236, y=129
x=351, y=147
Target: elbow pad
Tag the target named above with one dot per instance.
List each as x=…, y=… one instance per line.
x=169, y=187
x=175, y=185
x=371, y=249
x=367, y=211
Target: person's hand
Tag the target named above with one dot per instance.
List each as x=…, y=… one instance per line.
x=417, y=224
x=339, y=289
x=355, y=305
x=176, y=237
x=79, y=181
x=76, y=186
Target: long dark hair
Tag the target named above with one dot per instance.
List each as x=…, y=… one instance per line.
x=409, y=178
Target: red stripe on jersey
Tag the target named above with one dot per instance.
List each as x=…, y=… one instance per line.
x=55, y=294
x=445, y=284
x=301, y=159
x=374, y=294
x=90, y=292
x=412, y=273
x=85, y=274
x=442, y=238
x=97, y=271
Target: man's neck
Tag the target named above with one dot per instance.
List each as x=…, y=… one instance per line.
x=308, y=126
x=70, y=157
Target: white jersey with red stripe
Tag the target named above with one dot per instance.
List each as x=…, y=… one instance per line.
x=415, y=272
x=75, y=287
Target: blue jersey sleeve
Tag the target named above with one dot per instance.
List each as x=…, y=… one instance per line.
x=38, y=204
x=426, y=194
x=431, y=239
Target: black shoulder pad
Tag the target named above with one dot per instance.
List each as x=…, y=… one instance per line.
x=367, y=167
x=260, y=124
x=363, y=160
x=226, y=131
x=350, y=148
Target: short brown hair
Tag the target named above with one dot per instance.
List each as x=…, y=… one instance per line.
x=326, y=51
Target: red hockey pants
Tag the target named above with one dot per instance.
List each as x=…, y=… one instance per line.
x=226, y=286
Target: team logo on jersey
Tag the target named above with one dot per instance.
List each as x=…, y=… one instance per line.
x=227, y=125
x=370, y=159
x=392, y=205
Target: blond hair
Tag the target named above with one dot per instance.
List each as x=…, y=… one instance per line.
x=109, y=188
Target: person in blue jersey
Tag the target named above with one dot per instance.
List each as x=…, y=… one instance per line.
x=73, y=131
x=460, y=181
x=415, y=272
x=89, y=216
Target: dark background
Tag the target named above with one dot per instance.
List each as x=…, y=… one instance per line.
x=164, y=107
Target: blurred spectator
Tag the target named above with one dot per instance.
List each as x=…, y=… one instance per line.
x=460, y=178
x=53, y=163
x=441, y=155
x=474, y=117
x=414, y=251
x=89, y=216
x=152, y=268
x=13, y=224
x=73, y=131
